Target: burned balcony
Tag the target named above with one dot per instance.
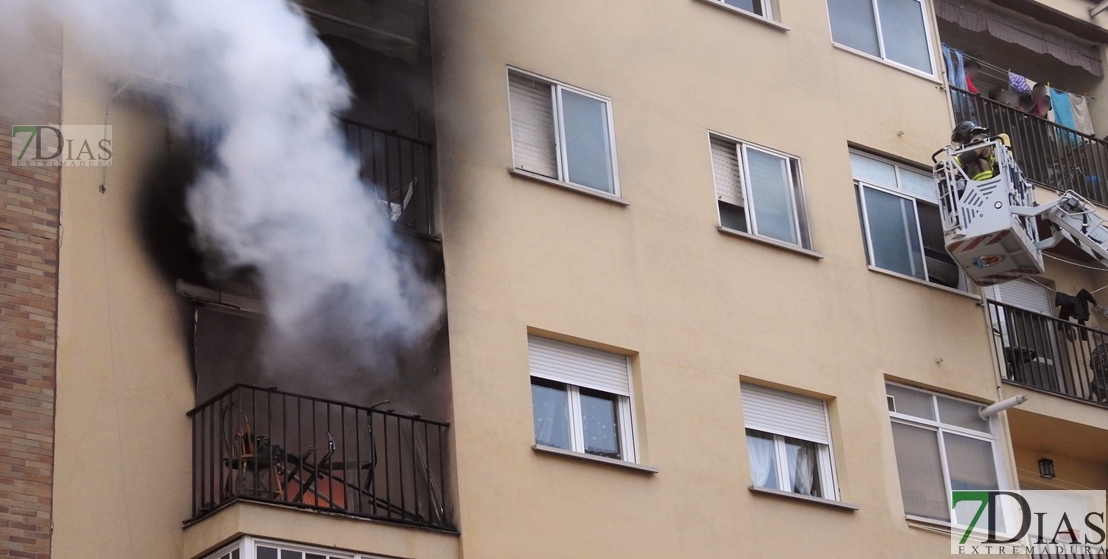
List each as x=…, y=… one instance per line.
x=255, y=444
x=1051, y=155
x=1049, y=354
x=400, y=170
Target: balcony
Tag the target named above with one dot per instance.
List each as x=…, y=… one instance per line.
x=255, y=444
x=1051, y=156
x=400, y=170
x=1049, y=354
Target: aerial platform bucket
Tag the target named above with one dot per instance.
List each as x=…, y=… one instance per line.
x=981, y=234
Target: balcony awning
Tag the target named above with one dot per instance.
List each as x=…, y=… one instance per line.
x=975, y=17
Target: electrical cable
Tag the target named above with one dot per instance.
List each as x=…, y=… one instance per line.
x=111, y=349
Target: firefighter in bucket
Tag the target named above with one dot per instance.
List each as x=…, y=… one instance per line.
x=979, y=164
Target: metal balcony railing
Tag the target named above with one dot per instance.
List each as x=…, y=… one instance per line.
x=401, y=171
x=1050, y=155
x=1049, y=354
x=264, y=445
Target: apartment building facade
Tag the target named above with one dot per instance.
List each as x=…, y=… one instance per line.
x=697, y=297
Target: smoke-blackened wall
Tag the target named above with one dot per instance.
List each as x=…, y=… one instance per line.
x=277, y=200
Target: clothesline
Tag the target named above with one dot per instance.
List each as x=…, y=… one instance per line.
x=1002, y=73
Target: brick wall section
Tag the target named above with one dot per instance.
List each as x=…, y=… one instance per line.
x=29, y=212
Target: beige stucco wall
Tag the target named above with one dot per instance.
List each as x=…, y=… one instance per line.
x=124, y=382
x=656, y=279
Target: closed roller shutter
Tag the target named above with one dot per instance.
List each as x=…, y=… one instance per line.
x=782, y=413
x=1024, y=294
x=532, y=110
x=579, y=366
x=728, y=173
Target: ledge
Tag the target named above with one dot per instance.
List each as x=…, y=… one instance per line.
x=804, y=498
x=612, y=198
x=768, y=241
x=591, y=458
x=918, y=281
x=894, y=65
x=763, y=20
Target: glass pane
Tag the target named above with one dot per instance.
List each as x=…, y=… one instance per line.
x=971, y=467
x=235, y=554
x=962, y=414
x=732, y=217
x=873, y=171
x=587, y=149
x=314, y=556
x=289, y=554
x=748, y=5
x=904, y=34
x=921, y=472
x=770, y=192
x=600, y=423
x=893, y=233
x=551, y=409
x=266, y=552
x=853, y=24
x=911, y=402
x=763, y=459
x=803, y=459
x=919, y=184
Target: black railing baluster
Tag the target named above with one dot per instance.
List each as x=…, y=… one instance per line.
x=241, y=451
x=1067, y=359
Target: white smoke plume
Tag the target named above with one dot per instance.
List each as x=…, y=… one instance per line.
x=284, y=197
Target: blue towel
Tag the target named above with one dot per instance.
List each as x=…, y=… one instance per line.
x=1063, y=116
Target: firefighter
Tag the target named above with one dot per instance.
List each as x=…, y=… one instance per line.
x=979, y=164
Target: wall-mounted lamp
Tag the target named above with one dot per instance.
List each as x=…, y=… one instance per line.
x=1002, y=405
x=1046, y=468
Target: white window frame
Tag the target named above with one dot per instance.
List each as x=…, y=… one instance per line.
x=825, y=456
x=767, y=7
x=824, y=461
x=248, y=549
x=881, y=41
x=797, y=197
x=939, y=428
x=964, y=285
x=558, y=88
x=628, y=448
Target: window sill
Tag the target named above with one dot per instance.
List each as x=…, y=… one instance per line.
x=897, y=66
x=900, y=276
x=571, y=187
x=763, y=20
x=771, y=242
x=590, y=458
x=804, y=498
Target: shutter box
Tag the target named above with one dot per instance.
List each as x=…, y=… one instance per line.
x=783, y=413
x=532, y=113
x=579, y=366
x=1024, y=294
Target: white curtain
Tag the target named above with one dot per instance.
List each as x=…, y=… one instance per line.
x=805, y=470
x=761, y=461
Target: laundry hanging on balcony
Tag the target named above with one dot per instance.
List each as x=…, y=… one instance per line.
x=980, y=19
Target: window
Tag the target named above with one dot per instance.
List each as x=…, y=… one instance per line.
x=894, y=30
x=252, y=548
x=941, y=444
x=581, y=399
x=901, y=222
x=758, y=191
x=561, y=132
x=762, y=8
x=788, y=442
